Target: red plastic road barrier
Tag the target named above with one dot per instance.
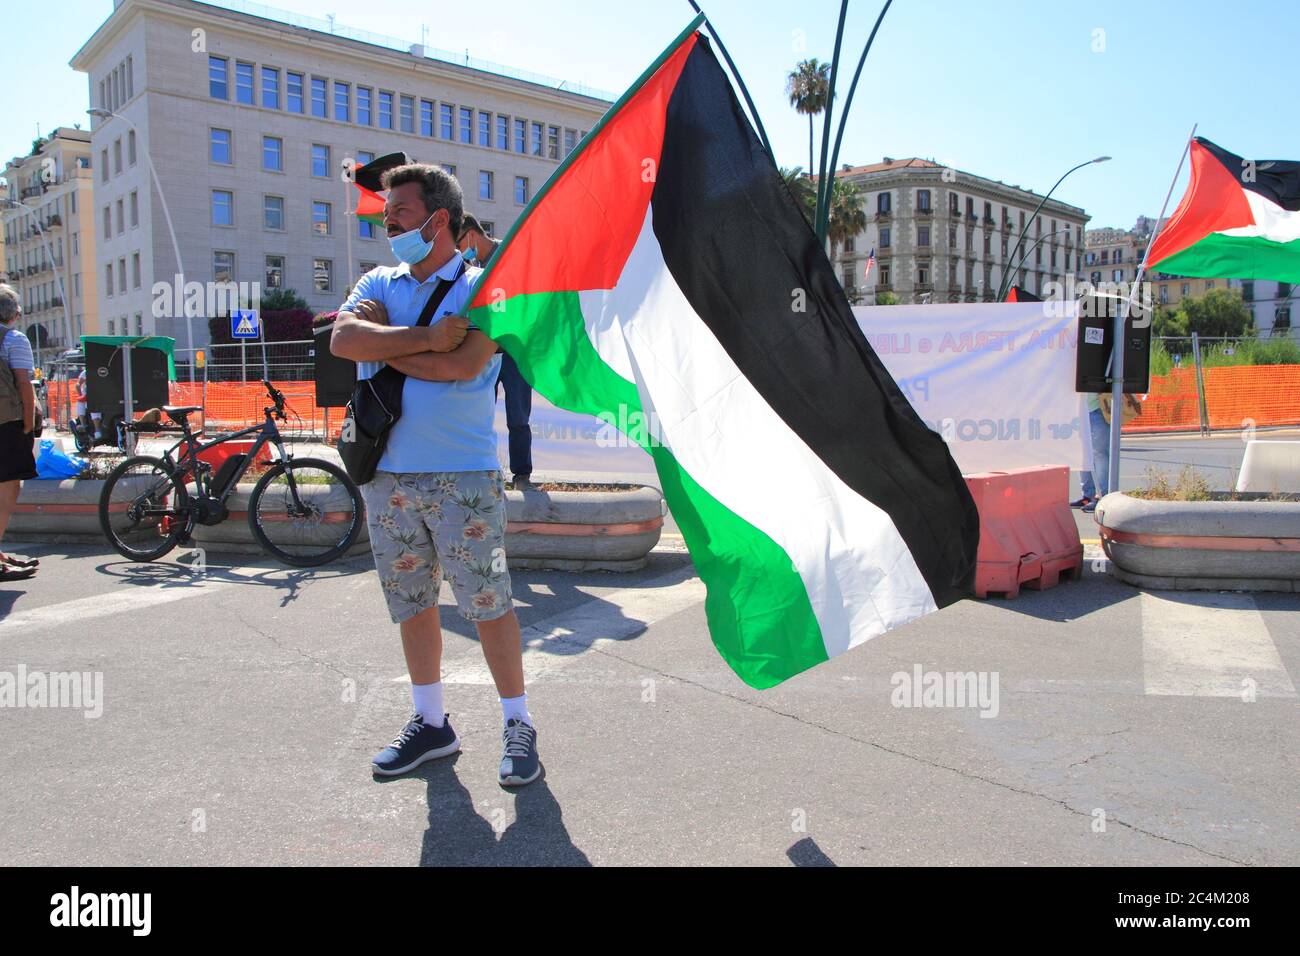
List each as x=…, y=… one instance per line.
x=1027, y=532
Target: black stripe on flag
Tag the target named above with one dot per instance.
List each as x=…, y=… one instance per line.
x=746, y=260
x=1277, y=180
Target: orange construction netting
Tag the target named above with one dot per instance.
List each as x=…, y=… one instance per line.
x=1236, y=396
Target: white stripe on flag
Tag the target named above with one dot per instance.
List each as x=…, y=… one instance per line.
x=859, y=574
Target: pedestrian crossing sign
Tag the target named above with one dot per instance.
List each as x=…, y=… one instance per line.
x=244, y=325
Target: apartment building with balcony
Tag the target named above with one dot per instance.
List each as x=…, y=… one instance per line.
x=943, y=235
x=49, y=239
x=249, y=119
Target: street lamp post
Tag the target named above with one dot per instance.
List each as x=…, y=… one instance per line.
x=1032, y=246
x=176, y=248
x=49, y=249
x=1002, y=290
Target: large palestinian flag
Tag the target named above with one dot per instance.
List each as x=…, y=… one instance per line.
x=1238, y=219
x=369, y=180
x=666, y=280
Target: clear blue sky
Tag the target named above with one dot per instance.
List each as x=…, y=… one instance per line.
x=1009, y=89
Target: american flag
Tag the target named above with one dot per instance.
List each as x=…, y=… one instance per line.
x=871, y=264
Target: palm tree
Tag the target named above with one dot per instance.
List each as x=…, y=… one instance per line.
x=808, y=87
x=802, y=189
x=847, y=218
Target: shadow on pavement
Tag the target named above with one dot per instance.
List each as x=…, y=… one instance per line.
x=270, y=574
x=458, y=835
x=1069, y=600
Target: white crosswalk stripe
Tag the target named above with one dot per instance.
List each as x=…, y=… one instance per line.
x=1209, y=645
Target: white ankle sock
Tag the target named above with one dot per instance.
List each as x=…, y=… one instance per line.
x=428, y=703
x=516, y=708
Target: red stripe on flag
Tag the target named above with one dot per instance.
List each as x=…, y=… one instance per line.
x=1214, y=201
x=600, y=201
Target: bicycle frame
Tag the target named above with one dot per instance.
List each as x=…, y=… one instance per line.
x=267, y=433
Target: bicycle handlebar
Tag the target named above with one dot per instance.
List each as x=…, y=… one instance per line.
x=276, y=396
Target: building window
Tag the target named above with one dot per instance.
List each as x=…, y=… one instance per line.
x=320, y=218
x=363, y=106
x=220, y=146
x=1117, y=275
x=445, y=121
x=273, y=212
x=922, y=235
x=130, y=154
x=521, y=190
x=343, y=102
x=223, y=267
x=570, y=141
x=485, y=130
x=406, y=113
x=521, y=136
x=244, y=83
x=488, y=228
x=884, y=237
x=426, y=117
x=273, y=154
x=318, y=97
x=923, y=200
x=466, y=125
x=988, y=243
x=135, y=271
x=121, y=216
x=368, y=267
x=851, y=244
x=385, y=110
x=953, y=206
x=322, y=272
x=1184, y=289
x=535, y=143
x=135, y=208
x=1248, y=291
x=270, y=88
x=952, y=237
x=320, y=160
x=103, y=165
x=293, y=92
x=108, y=279
x=884, y=275
x=503, y=132
x=117, y=156
x=218, y=77
x=275, y=272
x=108, y=222
x=923, y=274
x=223, y=208
x=485, y=184
x=553, y=142
x=883, y=202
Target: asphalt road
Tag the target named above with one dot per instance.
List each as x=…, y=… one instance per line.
x=240, y=709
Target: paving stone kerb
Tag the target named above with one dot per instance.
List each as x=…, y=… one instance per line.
x=1185, y=566
x=69, y=513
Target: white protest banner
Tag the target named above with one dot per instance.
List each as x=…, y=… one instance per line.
x=996, y=380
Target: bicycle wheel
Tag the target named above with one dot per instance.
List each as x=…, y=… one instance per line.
x=143, y=509
x=305, y=512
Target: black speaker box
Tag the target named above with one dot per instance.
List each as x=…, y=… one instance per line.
x=1097, y=315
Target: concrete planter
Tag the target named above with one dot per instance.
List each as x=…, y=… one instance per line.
x=1218, y=545
x=583, y=530
x=547, y=530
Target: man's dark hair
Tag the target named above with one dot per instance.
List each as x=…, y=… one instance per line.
x=438, y=189
x=471, y=222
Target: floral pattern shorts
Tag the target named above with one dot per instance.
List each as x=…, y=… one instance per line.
x=424, y=527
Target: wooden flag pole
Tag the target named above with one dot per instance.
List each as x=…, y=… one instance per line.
x=1121, y=325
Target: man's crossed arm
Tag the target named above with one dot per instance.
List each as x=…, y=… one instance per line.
x=447, y=351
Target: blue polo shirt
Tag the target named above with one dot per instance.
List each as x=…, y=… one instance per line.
x=445, y=426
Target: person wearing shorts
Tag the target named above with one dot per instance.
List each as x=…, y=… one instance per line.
x=18, y=423
x=436, y=506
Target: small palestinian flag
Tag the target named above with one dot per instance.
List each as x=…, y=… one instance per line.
x=1239, y=219
x=1017, y=294
x=665, y=280
x=369, y=180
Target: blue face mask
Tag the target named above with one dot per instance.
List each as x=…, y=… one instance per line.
x=470, y=256
x=411, y=247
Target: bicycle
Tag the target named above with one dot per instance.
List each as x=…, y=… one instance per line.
x=305, y=512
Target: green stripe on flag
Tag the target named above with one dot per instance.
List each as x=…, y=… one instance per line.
x=1236, y=257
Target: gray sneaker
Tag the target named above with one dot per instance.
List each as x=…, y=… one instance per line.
x=519, y=763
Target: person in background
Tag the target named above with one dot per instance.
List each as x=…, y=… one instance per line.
x=17, y=424
x=477, y=247
x=80, y=409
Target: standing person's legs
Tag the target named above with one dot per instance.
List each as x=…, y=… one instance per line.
x=470, y=532
x=1100, y=431
x=411, y=577
x=17, y=464
x=519, y=408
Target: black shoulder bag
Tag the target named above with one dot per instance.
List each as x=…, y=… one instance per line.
x=377, y=405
